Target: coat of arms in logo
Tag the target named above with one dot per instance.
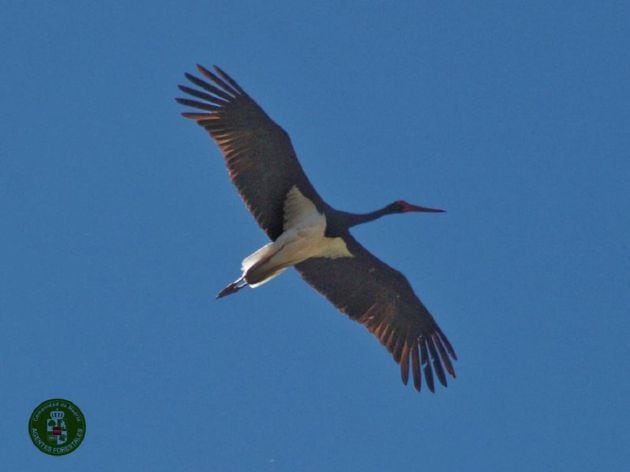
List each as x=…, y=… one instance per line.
x=57, y=427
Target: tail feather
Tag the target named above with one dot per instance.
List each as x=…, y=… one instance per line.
x=233, y=287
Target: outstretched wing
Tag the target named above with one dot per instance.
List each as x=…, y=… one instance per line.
x=258, y=153
x=372, y=293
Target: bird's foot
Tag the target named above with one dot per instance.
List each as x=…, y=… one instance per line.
x=233, y=287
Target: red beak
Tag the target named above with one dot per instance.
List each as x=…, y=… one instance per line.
x=410, y=207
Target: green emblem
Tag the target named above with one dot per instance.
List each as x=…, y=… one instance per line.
x=57, y=427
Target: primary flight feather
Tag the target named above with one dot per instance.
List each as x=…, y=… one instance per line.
x=310, y=235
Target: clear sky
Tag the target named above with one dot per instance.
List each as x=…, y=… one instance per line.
x=120, y=224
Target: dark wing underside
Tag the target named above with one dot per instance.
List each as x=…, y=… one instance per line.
x=258, y=153
x=379, y=297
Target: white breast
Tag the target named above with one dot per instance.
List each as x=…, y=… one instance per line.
x=303, y=238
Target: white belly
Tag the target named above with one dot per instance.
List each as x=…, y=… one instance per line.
x=303, y=238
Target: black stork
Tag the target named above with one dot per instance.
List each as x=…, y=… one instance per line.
x=310, y=235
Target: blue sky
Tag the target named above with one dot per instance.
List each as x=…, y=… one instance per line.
x=120, y=225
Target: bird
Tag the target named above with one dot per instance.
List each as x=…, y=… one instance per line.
x=310, y=235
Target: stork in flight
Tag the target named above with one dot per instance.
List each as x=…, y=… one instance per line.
x=310, y=235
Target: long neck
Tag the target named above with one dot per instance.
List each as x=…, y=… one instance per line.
x=353, y=219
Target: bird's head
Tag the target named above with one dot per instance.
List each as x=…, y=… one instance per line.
x=401, y=206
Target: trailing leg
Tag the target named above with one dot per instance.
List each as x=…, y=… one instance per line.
x=233, y=287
